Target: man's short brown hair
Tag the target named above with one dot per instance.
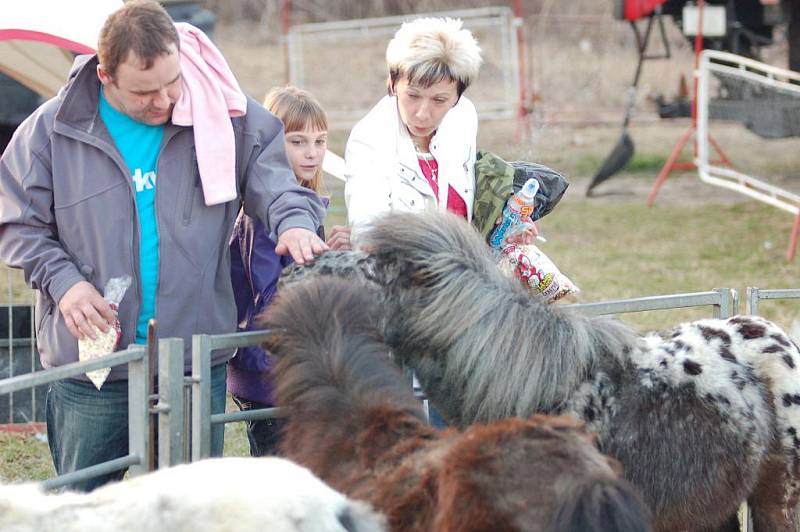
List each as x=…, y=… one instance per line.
x=140, y=26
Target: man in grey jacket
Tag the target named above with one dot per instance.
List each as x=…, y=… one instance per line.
x=98, y=183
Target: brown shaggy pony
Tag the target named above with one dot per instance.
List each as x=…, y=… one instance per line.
x=354, y=422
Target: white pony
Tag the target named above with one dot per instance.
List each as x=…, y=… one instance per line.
x=215, y=495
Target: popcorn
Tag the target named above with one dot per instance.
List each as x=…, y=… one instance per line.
x=107, y=342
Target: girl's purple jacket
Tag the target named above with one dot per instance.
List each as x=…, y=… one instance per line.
x=255, y=269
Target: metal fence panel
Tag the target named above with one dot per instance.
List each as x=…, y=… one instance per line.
x=363, y=42
x=201, y=396
x=725, y=302
x=755, y=295
x=127, y=461
x=139, y=444
x=202, y=346
x=18, y=352
x=170, y=406
x=138, y=410
x=18, y=356
x=21, y=382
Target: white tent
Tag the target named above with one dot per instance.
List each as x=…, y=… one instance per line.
x=38, y=38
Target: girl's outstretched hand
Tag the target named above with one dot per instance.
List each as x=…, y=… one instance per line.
x=303, y=245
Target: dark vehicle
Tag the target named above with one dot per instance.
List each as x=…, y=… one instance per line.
x=749, y=24
x=17, y=101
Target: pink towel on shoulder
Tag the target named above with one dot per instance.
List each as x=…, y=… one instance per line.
x=210, y=96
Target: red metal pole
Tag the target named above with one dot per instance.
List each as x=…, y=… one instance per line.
x=793, y=239
x=698, y=49
x=672, y=161
x=285, y=23
x=522, y=111
x=668, y=166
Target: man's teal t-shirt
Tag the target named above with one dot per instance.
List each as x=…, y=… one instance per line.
x=139, y=145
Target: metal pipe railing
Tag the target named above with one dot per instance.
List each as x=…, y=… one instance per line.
x=138, y=409
x=202, y=346
x=755, y=295
x=247, y=415
x=724, y=300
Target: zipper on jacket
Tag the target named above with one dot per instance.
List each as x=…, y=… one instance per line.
x=189, y=201
x=158, y=231
x=165, y=140
x=416, y=181
x=50, y=307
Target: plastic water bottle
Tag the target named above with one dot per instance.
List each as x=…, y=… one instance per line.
x=518, y=210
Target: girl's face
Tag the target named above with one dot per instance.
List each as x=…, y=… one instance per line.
x=306, y=150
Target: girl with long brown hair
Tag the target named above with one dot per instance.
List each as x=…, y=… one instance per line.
x=255, y=267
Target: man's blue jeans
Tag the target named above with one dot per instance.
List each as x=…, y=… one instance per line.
x=86, y=426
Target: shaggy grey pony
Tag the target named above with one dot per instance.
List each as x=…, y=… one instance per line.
x=702, y=417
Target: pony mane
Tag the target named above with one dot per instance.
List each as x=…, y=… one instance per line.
x=433, y=257
x=334, y=371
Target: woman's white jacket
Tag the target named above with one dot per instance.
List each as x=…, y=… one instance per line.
x=382, y=168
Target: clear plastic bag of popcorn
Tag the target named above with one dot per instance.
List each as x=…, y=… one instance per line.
x=536, y=272
x=107, y=342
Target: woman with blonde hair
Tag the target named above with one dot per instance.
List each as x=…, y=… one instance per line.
x=416, y=148
x=255, y=267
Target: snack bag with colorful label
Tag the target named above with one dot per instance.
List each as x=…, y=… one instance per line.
x=536, y=272
x=107, y=342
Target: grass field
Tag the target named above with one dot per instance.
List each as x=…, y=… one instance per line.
x=24, y=457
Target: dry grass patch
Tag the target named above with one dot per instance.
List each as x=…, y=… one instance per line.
x=24, y=457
